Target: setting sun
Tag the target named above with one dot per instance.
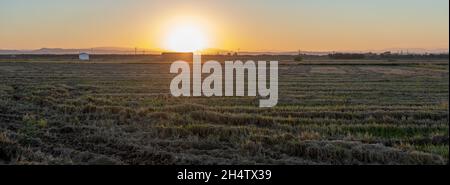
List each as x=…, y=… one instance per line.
x=186, y=37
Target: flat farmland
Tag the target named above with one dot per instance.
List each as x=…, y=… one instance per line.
x=120, y=111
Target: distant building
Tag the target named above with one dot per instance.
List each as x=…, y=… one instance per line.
x=84, y=56
x=186, y=56
x=177, y=54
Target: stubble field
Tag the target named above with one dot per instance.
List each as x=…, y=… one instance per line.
x=121, y=112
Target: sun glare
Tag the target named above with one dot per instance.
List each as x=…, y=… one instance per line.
x=186, y=37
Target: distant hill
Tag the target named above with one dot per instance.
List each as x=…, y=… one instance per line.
x=98, y=50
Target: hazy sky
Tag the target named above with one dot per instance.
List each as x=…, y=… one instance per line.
x=230, y=24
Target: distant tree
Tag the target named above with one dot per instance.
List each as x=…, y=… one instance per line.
x=346, y=56
x=299, y=57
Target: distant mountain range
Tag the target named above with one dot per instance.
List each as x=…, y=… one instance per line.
x=121, y=50
x=99, y=50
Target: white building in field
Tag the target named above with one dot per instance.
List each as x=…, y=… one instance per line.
x=83, y=56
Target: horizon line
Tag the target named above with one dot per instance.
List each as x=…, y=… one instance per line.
x=143, y=49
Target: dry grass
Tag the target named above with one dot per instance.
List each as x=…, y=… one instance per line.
x=389, y=71
x=327, y=70
x=119, y=111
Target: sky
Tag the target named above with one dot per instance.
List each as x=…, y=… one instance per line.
x=252, y=25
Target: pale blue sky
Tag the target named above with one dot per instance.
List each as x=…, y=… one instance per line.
x=246, y=24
